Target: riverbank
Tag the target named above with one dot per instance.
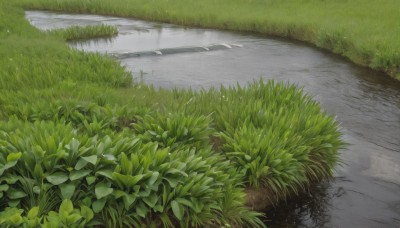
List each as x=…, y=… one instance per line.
x=83, y=145
x=348, y=28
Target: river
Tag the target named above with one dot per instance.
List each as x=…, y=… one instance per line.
x=366, y=189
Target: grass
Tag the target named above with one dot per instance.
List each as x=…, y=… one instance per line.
x=85, y=32
x=348, y=28
x=81, y=144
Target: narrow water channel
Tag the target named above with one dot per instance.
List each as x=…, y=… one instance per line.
x=366, y=188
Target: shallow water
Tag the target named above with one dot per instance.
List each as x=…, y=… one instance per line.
x=366, y=189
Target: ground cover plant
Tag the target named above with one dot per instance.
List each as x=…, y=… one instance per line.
x=81, y=144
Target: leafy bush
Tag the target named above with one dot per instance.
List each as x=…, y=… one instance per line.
x=66, y=216
x=124, y=181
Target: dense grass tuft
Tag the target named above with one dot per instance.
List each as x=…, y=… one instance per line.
x=85, y=32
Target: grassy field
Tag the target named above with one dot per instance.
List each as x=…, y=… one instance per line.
x=81, y=144
x=364, y=31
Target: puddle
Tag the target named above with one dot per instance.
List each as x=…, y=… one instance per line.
x=366, y=189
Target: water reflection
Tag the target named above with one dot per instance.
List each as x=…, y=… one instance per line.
x=309, y=209
x=97, y=41
x=384, y=167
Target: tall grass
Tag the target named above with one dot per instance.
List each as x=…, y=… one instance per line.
x=364, y=31
x=85, y=32
x=280, y=140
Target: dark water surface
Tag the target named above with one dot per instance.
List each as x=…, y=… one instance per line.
x=366, y=189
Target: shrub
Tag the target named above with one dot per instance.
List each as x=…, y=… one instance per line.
x=124, y=181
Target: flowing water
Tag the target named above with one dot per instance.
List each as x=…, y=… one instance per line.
x=366, y=188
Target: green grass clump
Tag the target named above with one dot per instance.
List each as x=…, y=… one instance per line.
x=273, y=133
x=365, y=31
x=176, y=130
x=23, y=59
x=85, y=32
x=81, y=144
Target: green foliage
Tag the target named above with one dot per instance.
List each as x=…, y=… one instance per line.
x=280, y=140
x=140, y=181
x=66, y=216
x=175, y=130
x=31, y=59
x=80, y=145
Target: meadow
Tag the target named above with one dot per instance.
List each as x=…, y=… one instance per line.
x=364, y=31
x=81, y=144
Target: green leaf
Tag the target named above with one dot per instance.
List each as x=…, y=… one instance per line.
x=67, y=190
x=106, y=173
x=102, y=190
x=109, y=157
x=87, y=213
x=33, y=213
x=73, y=218
x=177, y=209
x=98, y=205
x=15, y=194
x=12, y=160
x=13, y=203
x=80, y=164
x=158, y=208
x=152, y=132
x=153, y=178
x=90, y=180
x=164, y=135
x=128, y=200
x=4, y=187
x=141, y=210
x=10, y=179
x=74, y=145
x=127, y=180
x=13, y=157
x=172, y=182
x=247, y=157
x=52, y=220
x=175, y=171
x=91, y=159
x=57, y=178
x=151, y=200
x=36, y=189
x=66, y=207
x=78, y=174
x=87, y=201
x=15, y=219
x=185, y=202
x=38, y=171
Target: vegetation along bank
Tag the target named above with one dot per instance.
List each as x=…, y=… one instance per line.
x=83, y=145
x=364, y=31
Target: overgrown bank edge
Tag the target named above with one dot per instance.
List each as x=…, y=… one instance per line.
x=81, y=145
x=366, y=32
